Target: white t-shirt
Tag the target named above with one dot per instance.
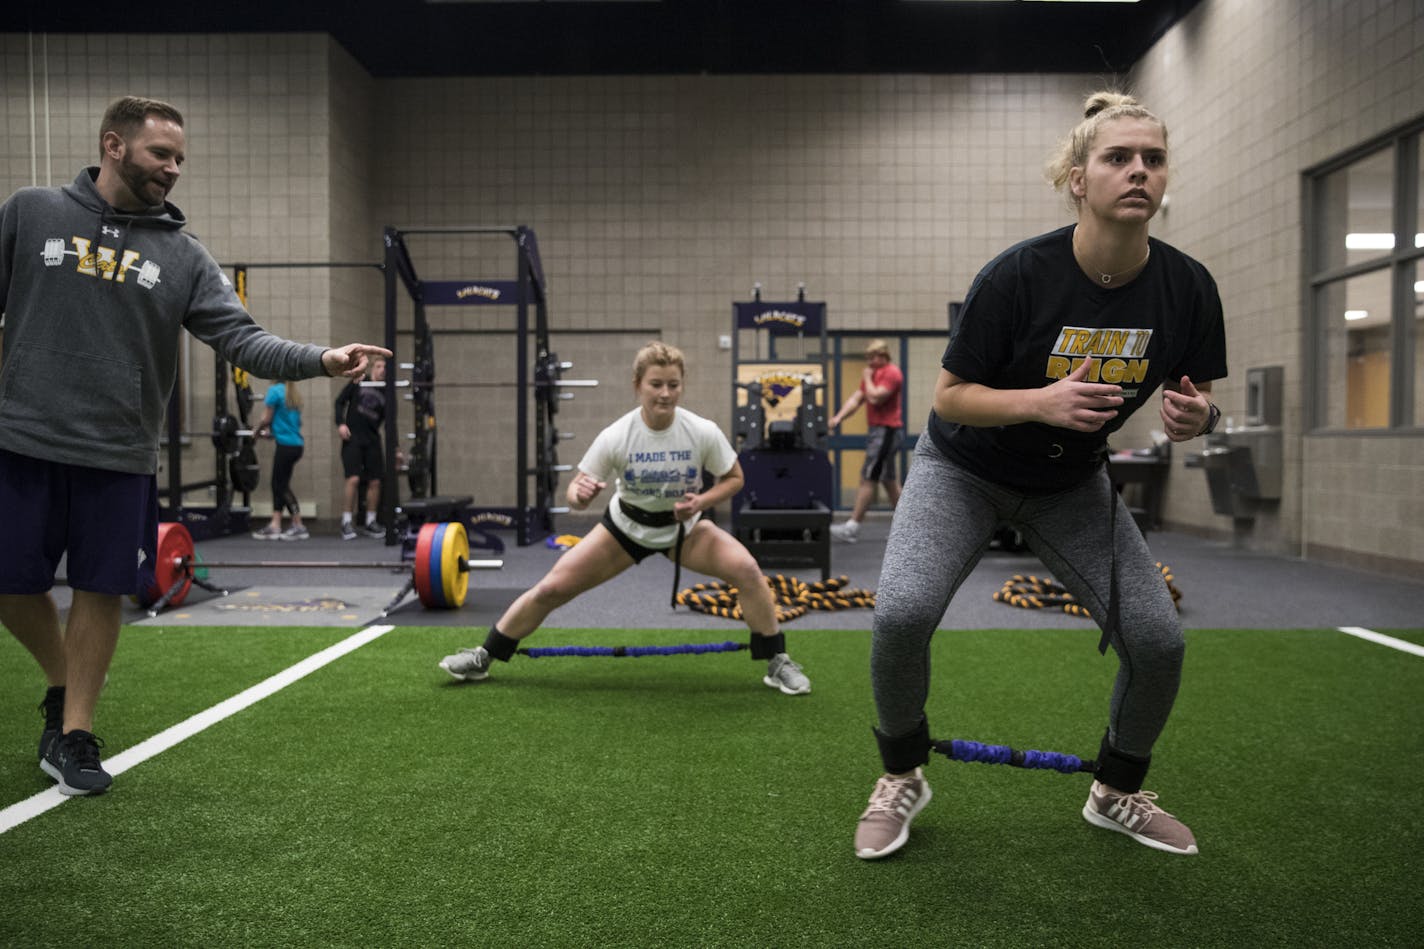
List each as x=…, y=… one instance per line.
x=654, y=469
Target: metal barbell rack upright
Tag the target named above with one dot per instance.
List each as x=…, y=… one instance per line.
x=527, y=291
x=410, y=384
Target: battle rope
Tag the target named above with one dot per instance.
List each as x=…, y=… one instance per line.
x=958, y=750
x=1044, y=593
x=794, y=597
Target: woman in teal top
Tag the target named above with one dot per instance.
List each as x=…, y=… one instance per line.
x=283, y=424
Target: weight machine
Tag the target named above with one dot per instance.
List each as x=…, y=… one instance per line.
x=236, y=471
x=783, y=512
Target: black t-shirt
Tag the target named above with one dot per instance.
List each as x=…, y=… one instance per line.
x=363, y=410
x=1031, y=316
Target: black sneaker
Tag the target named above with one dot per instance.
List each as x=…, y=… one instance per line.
x=376, y=529
x=348, y=531
x=53, y=709
x=73, y=761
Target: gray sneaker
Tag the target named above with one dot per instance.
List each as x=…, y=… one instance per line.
x=1138, y=816
x=783, y=674
x=267, y=533
x=885, y=825
x=468, y=665
x=296, y=532
x=849, y=532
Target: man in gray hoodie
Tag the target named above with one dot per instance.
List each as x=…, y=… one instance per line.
x=97, y=282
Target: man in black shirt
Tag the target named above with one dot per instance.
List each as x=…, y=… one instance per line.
x=360, y=414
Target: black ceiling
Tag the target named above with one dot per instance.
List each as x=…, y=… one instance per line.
x=603, y=37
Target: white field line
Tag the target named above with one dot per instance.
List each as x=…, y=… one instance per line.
x=1382, y=639
x=16, y=814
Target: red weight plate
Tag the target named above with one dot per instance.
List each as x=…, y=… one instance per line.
x=175, y=552
x=429, y=596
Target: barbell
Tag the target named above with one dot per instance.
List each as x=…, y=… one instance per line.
x=432, y=384
x=441, y=571
x=228, y=433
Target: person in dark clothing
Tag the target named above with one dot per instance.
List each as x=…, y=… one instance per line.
x=1060, y=339
x=360, y=415
x=98, y=280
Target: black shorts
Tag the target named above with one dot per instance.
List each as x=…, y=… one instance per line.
x=637, y=551
x=105, y=522
x=361, y=459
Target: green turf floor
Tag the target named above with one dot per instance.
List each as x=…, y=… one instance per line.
x=679, y=802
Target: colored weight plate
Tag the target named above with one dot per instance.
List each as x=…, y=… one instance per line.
x=174, y=544
x=436, y=572
x=149, y=595
x=424, y=569
x=455, y=551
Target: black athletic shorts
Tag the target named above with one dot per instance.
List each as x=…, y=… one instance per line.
x=104, y=522
x=637, y=551
x=362, y=459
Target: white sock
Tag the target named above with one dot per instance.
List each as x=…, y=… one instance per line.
x=370, y=518
x=345, y=518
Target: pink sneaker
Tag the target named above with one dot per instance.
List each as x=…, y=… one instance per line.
x=885, y=825
x=1138, y=816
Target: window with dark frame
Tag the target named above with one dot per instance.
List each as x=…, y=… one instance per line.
x=1364, y=287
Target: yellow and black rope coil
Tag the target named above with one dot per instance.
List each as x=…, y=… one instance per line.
x=794, y=597
x=1029, y=592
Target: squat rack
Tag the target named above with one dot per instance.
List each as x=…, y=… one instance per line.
x=532, y=515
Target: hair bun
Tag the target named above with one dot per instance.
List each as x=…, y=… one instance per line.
x=1099, y=101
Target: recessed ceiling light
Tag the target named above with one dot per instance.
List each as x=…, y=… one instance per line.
x=1376, y=241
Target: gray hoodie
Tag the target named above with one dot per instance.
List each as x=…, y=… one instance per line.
x=94, y=301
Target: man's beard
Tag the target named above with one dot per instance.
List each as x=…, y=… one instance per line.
x=141, y=184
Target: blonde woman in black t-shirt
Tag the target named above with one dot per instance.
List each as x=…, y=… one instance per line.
x=1060, y=339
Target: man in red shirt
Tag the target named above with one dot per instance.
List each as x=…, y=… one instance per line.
x=879, y=391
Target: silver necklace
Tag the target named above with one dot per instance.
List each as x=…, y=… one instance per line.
x=1108, y=278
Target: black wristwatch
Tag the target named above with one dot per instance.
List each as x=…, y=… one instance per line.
x=1213, y=415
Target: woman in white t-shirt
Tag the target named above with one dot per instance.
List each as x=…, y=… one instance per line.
x=655, y=455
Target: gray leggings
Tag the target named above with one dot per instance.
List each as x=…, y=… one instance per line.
x=943, y=524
